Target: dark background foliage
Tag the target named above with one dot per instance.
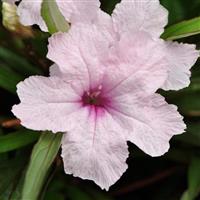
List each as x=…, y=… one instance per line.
x=163, y=178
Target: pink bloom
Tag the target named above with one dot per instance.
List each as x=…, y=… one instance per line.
x=73, y=10
x=30, y=13
x=102, y=95
x=131, y=16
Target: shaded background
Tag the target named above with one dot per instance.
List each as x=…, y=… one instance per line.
x=163, y=178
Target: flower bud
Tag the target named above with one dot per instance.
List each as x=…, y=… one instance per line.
x=11, y=21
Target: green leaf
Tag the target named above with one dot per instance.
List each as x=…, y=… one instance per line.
x=182, y=29
x=185, y=196
x=76, y=193
x=99, y=195
x=53, y=17
x=194, y=178
x=176, y=10
x=43, y=155
x=11, y=176
x=17, y=140
x=9, y=79
x=17, y=62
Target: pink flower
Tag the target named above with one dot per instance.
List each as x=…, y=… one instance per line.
x=102, y=95
x=131, y=16
x=30, y=14
x=73, y=10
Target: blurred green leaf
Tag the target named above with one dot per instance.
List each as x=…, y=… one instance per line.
x=53, y=17
x=55, y=189
x=18, y=63
x=194, y=178
x=75, y=193
x=180, y=10
x=185, y=196
x=176, y=10
x=43, y=155
x=182, y=29
x=9, y=79
x=99, y=195
x=192, y=135
x=17, y=140
x=11, y=177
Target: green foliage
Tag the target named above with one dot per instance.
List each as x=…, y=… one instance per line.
x=182, y=29
x=40, y=179
x=17, y=62
x=17, y=140
x=9, y=79
x=193, y=180
x=53, y=18
x=11, y=176
x=43, y=154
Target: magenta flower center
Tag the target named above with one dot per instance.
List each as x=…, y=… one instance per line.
x=94, y=98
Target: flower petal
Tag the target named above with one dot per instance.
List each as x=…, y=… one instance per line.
x=29, y=13
x=80, y=52
x=150, y=121
x=96, y=151
x=54, y=70
x=136, y=15
x=141, y=68
x=78, y=10
x=181, y=57
x=48, y=104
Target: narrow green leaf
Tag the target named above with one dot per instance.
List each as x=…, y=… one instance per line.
x=12, y=175
x=185, y=196
x=194, y=178
x=53, y=17
x=17, y=140
x=9, y=79
x=182, y=29
x=42, y=157
x=17, y=62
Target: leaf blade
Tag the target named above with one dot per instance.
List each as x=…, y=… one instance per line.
x=182, y=29
x=194, y=178
x=17, y=140
x=9, y=79
x=43, y=155
x=53, y=17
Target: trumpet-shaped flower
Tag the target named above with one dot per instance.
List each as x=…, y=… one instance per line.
x=101, y=95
